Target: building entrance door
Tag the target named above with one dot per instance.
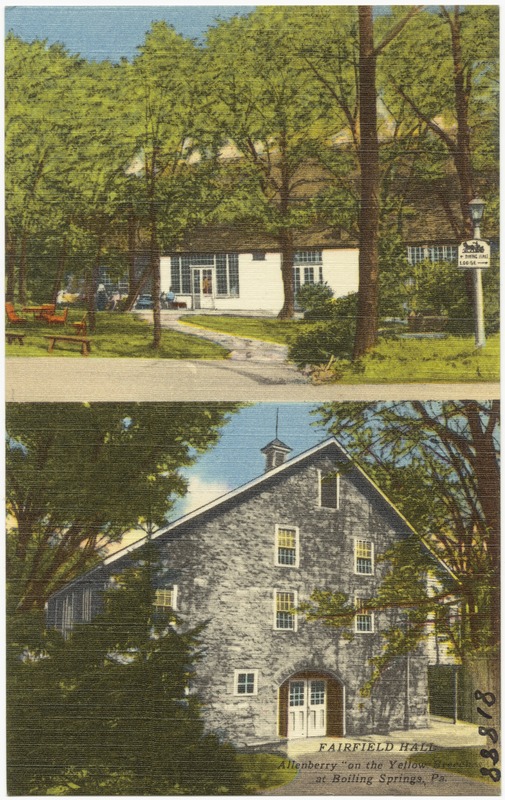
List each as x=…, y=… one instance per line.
x=307, y=708
x=203, y=287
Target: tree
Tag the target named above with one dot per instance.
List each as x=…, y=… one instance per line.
x=109, y=710
x=353, y=88
x=276, y=120
x=457, y=101
x=80, y=476
x=36, y=116
x=167, y=104
x=439, y=464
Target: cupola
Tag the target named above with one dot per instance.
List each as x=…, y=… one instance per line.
x=275, y=454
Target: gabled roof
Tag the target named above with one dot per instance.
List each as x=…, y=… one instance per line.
x=175, y=526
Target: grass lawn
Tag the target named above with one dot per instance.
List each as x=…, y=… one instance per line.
x=463, y=760
x=117, y=336
x=450, y=360
x=261, y=771
x=265, y=329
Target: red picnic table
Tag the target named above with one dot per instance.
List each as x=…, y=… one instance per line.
x=40, y=312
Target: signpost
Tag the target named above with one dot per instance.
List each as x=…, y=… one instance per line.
x=475, y=254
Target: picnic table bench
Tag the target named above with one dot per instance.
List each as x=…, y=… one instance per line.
x=84, y=341
x=14, y=336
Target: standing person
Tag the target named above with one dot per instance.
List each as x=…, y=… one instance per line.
x=163, y=300
x=170, y=298
x=101, y=297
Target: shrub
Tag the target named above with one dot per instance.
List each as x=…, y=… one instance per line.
x=315, y=299
x=319, y=342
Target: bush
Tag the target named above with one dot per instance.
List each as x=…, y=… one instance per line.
x=318, y=343
x=315, y=299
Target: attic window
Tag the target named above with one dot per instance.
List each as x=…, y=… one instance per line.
x=329, y=490
x=165, y=599
x=258, y=255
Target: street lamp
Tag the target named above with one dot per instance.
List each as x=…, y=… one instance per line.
x=477, y=212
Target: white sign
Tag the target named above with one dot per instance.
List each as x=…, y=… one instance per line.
x=474, y=254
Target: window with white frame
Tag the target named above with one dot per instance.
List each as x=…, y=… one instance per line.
x=245, y=682
x=166, y=599
x=329, y=490
x=226, y=270
x=286, y=546
x=285, y=615
x=364, y=621
x=433, y=253
x=363, y=557
x=307, y=268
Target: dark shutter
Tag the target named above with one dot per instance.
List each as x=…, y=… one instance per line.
x=335, y=709
x=283, y=709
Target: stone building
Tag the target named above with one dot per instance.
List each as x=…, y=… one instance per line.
x=242, y=564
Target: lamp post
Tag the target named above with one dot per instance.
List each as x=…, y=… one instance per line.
x=477, y=212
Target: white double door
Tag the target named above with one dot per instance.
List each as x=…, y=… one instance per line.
x=307, y=708
x=203, y=287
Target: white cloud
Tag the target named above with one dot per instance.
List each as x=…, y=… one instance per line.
x=199, y=493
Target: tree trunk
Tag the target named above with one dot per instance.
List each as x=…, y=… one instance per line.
x=154, y=253
x=136, y=288
x=62, y=263
x=132, y=241
x=462, y=155
x=368, y=296
x=287, y=257
x=10, y=263
x=22, y=268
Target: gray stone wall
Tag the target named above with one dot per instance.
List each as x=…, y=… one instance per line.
x=224, y=566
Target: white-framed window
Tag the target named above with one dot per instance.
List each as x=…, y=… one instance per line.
x=363, y=557
x=286, y=546
x=226, y=272
x=284, y=610
x=364, y=619
x=308, y=257
x=245, y=682
x=433, y=253
x=329, y=490
x=166, y=599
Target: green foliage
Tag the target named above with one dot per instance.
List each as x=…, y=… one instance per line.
x=432, y=360
x=439, y=463
x=315, y=300
x=79, y=476
x=107, y=711
x=321, y=341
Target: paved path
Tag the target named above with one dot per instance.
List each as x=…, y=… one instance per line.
x=54, y=378
x=240, y=348
x=376, y=765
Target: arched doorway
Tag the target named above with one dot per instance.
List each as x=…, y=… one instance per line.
x=311, y=704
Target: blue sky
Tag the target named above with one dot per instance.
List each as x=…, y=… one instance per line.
x=108, y=32
x=237, y=458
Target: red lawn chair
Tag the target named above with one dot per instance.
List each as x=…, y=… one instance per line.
x=54, y=319
x=12, y=316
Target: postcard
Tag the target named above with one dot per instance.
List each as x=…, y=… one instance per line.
x=252, y=363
